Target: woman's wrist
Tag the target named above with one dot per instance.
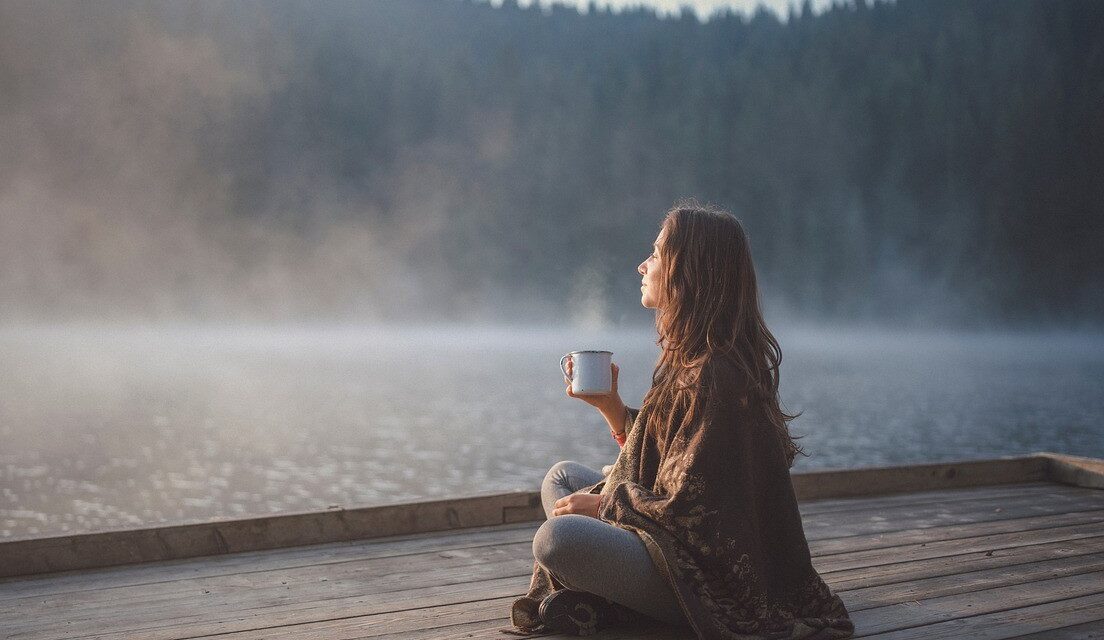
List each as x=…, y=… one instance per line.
x=616, y=416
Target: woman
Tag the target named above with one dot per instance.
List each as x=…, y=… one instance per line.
x=696, y=523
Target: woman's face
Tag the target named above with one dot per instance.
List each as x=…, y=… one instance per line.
x=651, y=289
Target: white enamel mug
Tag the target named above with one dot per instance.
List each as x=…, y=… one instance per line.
x=590, y=370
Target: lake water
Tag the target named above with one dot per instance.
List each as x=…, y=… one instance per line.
x=117, y=427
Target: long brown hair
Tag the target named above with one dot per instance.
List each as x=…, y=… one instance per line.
x=711, y=310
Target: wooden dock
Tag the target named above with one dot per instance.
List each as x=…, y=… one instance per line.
x=1005, y=548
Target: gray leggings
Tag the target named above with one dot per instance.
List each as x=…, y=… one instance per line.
x=587, y=554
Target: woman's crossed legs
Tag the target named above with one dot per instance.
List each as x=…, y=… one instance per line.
x=587, y=554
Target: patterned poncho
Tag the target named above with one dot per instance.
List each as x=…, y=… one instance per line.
x=715, y=507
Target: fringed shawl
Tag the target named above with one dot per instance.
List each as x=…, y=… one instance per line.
x=716, y=510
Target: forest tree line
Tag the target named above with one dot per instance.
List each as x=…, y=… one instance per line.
x=913, y=161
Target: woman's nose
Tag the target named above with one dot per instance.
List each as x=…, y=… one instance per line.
x=640, y=268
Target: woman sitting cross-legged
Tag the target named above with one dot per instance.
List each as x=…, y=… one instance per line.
x=696, y=524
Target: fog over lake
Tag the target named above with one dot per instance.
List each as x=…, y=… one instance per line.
x=122, y=426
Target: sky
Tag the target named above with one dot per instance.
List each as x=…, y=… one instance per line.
x=702, y=7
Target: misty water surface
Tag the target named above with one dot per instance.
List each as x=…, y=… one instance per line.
x=125, y=426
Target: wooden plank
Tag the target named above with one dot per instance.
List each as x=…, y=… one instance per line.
x=366, y=577
x=1009, y=623
x=472, y=620
x=105, y=579
x=256, y=561
x=479, y=629
x=822, y=528
x=386, y=624
x=1084, y=631
x=494, y=609
x=483, y=619
x=656, y=632
x=519, y=587
x=955, y=564
x=821, y=505
x=227, y=604
x=408, y=602
x=829, y=546
x=66, y=553
x=257, y=578
x=868, y=481
x=965, y=582
x=324, y=599
x=1074, y=470
x=490, y=630
x=651, y=634
x=940, y=548
x=298, y=600
x=929, y=611
x=83, y=551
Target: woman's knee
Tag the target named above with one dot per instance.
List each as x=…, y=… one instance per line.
x=557, y=474
x=558, y=539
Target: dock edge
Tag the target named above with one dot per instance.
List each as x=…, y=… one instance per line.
x=31, y=556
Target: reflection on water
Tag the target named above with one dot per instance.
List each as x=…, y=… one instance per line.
x=117, y=427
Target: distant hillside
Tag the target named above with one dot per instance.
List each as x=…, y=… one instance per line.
x=919, y=161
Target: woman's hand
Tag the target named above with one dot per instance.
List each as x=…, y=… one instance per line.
x=609, y=404
x=581, y=503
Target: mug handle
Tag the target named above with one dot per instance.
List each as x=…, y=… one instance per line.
x=563, y=368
